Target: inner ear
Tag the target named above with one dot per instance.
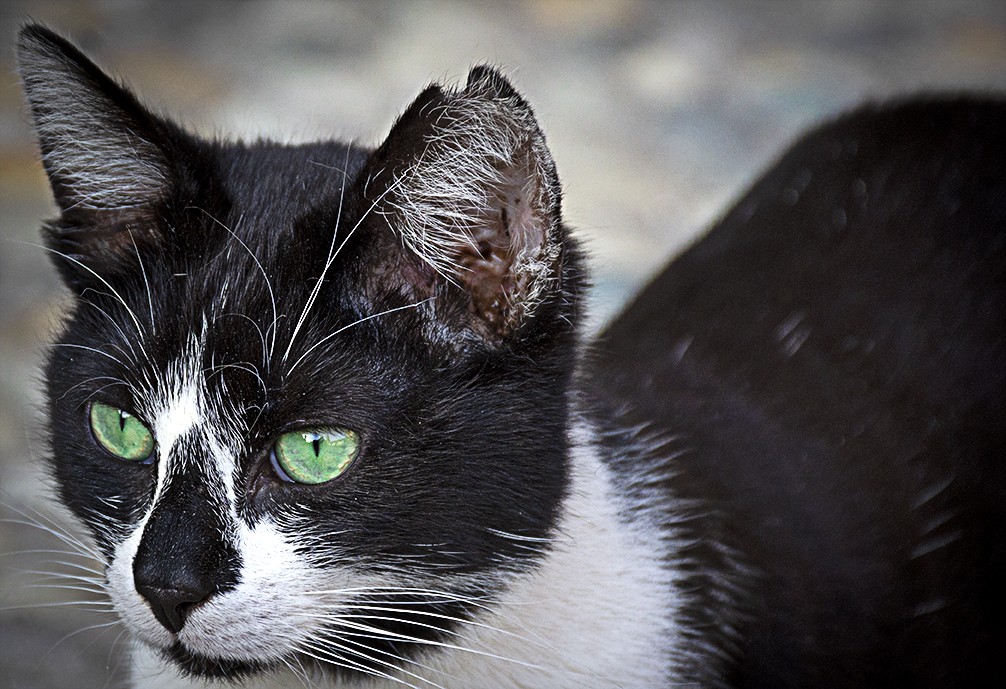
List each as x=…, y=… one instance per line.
x=466, y=184
x=505, y=246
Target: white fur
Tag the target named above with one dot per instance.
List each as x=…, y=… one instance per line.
x=597, y=612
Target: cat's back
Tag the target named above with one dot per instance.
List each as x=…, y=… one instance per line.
x=830, y=359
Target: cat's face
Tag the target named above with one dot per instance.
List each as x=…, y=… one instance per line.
x=311, y=401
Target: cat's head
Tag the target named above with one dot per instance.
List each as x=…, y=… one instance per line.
x=311, y=400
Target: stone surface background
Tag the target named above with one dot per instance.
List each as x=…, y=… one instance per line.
x=657, y=114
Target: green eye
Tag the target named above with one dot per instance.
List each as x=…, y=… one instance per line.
x=315, y=455
x=120, y=433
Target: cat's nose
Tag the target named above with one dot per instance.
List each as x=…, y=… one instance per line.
x=185, y=555
x=172, y=605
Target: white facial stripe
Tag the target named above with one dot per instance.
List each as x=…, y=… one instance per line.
x=182, y=407
x=226, y=468
x=178, y=416
x=177, y=409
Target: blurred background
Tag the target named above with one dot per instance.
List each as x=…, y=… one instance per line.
x=657, y=113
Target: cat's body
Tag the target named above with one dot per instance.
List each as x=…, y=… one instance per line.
x=834, y=385
x=780, y=467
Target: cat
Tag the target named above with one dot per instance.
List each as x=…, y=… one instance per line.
x=328, y=414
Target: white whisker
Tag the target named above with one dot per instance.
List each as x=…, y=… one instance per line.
x=80, y=549
x=345, y=637
x=95, y=606
x=317, y=287
x=332, y=254
x=95, y=379
x=146, y=283
x=344, y=620
x=326, y=656
x=417, y=612
x=316, y=648
x=354, y=323
x=132, y=315
x=90, y=349
x=103, y=312
x=261, y=335
x=268, y=282
x=102, y=625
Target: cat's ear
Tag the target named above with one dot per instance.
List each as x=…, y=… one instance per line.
x=468, y=187
x=102, y=152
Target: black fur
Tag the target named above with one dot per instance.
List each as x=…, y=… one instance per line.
x=831, y=360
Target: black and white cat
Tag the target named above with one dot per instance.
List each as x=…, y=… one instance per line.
x=327, y=413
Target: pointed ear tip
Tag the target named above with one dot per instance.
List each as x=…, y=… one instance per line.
x=34, y=35
x=490, y=79
x=29, y=43
x=431, y=92
x=37, y=42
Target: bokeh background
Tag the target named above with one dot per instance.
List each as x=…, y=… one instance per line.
x=657, y=113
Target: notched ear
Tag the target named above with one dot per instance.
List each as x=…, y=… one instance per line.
x=100, y=151
x=466, y=182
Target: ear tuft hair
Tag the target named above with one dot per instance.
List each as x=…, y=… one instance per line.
x=104, y=155
x=478, y=199
x=95, y=138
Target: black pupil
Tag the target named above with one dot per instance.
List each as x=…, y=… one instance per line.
x=316, y=443
x=122, y=420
